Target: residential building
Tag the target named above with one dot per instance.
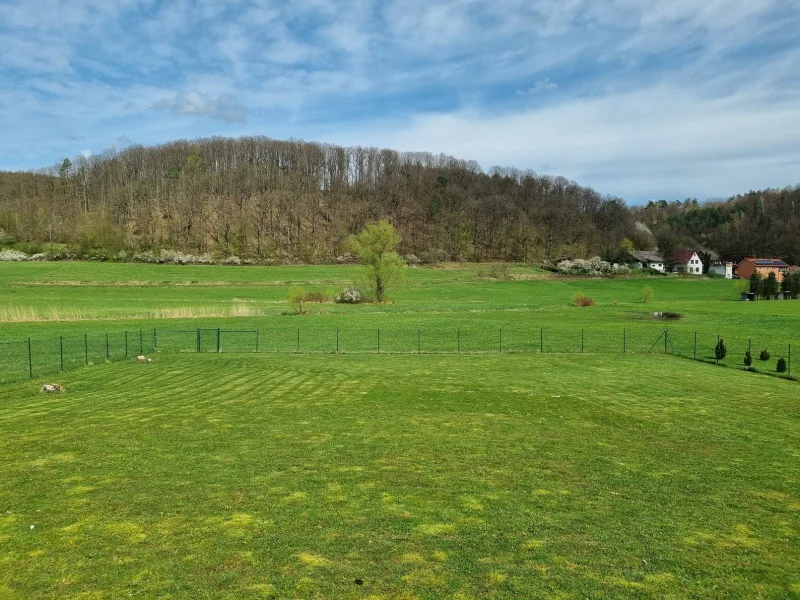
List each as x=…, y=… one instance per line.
x=642, y=259
x=762, y=266
x=724, y=269
x=688, y=261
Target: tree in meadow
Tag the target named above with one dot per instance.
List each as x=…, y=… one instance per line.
x=376, y=246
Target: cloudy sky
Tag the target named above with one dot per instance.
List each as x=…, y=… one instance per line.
x=638, y=98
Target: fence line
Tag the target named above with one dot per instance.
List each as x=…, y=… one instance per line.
x=33, y=357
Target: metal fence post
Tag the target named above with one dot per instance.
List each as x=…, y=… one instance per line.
x=108, y=354
x=458, y=343
x=30, y=359
x=141, y=344
x=61, y=351
x=155, y=340
x=419, y=341
x=197, y=340
x=694, y=355
x=541, y=339
x=256, y=340
x=666, y=339
x=126, y=343
x=379, y=341
x=337, y=341
x=501, y=340
x=581, y=340
x=218, y=336
x=624, y=340
x=86, y=347
x=298, y=339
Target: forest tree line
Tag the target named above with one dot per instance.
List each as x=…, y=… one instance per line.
x=264, y=199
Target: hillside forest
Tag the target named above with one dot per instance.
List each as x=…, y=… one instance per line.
x=267, y=199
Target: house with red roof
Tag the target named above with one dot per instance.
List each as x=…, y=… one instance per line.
x=688, y=261
x=762, y=266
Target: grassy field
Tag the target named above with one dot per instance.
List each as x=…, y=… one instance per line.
x=451, y=309
x=542, y=472
x=352, y=476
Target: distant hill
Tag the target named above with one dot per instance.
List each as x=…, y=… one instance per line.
x=291, y=200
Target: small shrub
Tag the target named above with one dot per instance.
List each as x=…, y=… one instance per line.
x=764, y=354
x=593, y=266
x=495, y=271
x=582, y=299
x=781, y=366
x=12, y=256
x=721, y=351
x=748, y=360
x=350, y=295
x=317, y=296
x=297, y=295
x=646, y=294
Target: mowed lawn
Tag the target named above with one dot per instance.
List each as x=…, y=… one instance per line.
x=358, y=476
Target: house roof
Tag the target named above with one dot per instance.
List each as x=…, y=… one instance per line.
x=646, y=256
x=683, y=256
x=766, y=262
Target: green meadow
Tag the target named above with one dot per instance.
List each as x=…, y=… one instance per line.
x=448, y=309
x=541, y=472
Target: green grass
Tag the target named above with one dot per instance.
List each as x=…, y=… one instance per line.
x=538, y=473
x=251, y=476
x=48, y=300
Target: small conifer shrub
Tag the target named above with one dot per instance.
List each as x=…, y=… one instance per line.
x=720, y=351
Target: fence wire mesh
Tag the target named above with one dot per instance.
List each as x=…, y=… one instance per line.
x=37, y=357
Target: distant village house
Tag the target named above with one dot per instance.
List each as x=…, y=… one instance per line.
x=642, y=259
x=762, y=266
x=724, y=269
x=688, y=261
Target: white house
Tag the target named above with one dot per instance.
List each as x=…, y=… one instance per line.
x=688, y=261
x=725, y=269
x=646, y=260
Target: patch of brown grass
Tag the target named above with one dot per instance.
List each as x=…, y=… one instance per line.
x=582, y=299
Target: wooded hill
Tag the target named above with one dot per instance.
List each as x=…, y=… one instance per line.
x=291, y=200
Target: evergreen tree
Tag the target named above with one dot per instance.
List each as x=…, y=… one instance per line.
x=720, y=351
x=770, y=285
x=755, y=284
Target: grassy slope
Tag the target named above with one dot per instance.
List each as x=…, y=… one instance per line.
x=425, y=477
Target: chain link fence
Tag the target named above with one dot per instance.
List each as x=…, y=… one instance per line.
x=38, y=357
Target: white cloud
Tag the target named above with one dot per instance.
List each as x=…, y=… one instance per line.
x=196, y=103
x=637, y=144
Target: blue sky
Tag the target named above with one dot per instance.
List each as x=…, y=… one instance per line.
x=637, y=98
